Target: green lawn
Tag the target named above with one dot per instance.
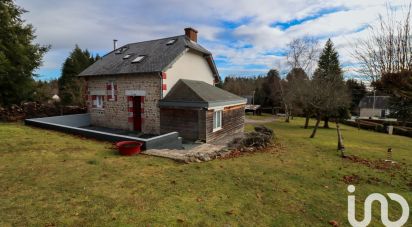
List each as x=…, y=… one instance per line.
x=52, y=178
x=258, y=117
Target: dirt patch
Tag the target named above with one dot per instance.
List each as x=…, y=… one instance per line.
x=275, y=148
x=409, y=185
x=351, y=179
x=375, y=164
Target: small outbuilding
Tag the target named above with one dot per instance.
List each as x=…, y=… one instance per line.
x=374, y=106
x=201, y=111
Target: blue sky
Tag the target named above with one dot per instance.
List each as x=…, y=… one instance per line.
x=246, y=37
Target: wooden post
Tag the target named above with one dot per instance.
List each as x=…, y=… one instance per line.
x=341, y=147
x=389, y=154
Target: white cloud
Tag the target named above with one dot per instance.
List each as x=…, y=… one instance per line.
x=93, y=24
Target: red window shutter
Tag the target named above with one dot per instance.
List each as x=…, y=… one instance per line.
x=164, y=87
x=94, y=101
x=115, y=92
x=109, y=90
x=163, y=75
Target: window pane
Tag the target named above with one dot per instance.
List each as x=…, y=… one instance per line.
x=99, y=101
x=219, y=119
x=214, y=120
x=112, y=86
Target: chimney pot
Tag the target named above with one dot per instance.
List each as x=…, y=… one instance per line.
x=114, y=44
x=191, y=33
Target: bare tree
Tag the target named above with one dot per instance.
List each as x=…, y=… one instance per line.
x=388, y=48
x=303, y=53
x=328, y=98
x=297, y=91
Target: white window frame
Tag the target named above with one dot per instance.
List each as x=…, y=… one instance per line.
x=112, y=90
x=217, y=120
x=139, y=58
x=99, y=101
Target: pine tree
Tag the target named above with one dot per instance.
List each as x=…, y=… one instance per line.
x=71, y=87
x=19, y=57
x=329, y=71
x=329, y=95
x=328, y=64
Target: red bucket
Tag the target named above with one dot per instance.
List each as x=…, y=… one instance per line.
x=129, y=147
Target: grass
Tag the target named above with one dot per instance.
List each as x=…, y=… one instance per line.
x=258, y=117
x=50, y=178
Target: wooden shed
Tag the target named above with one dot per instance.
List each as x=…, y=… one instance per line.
x=200, y=111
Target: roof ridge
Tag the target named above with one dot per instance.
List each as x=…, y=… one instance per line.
x=171, y=37
x=190, y=87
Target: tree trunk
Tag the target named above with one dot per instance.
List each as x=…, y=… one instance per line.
x=306, y=122
x=286, y=114
x=341, y=147
x=316, y=127
x=326, y=124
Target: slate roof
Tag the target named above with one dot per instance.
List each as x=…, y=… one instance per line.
x=193, y=93
x=381, y=102
x=158, y=54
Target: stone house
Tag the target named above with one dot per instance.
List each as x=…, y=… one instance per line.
x=162, y=85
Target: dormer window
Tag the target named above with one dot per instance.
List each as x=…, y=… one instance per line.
x=139, y=59
x=170, y=42
x=121, y=50
x=127, y=56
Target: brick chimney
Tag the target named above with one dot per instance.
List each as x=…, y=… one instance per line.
x=191, y=33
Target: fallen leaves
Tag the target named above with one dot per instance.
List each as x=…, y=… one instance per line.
x=230, y=212
x=351, y=179
x=376, y=164
x=334, y=223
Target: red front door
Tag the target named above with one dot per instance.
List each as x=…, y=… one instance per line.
x=137, y=113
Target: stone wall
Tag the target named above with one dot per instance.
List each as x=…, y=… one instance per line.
x=115, y=114
x=36, y=110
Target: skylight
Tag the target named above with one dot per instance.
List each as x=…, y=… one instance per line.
x=170, y=42
x=138, y=59
x=126, y=56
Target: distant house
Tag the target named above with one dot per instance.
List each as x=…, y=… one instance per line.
x=160, y=86
x=374, y=106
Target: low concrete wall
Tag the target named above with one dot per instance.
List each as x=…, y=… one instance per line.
x=75, y=120
x=71, y=124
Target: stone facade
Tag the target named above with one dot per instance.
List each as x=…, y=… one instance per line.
x=116, y=113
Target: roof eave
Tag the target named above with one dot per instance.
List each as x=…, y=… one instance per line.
x=118, y=74
x=207, y=105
